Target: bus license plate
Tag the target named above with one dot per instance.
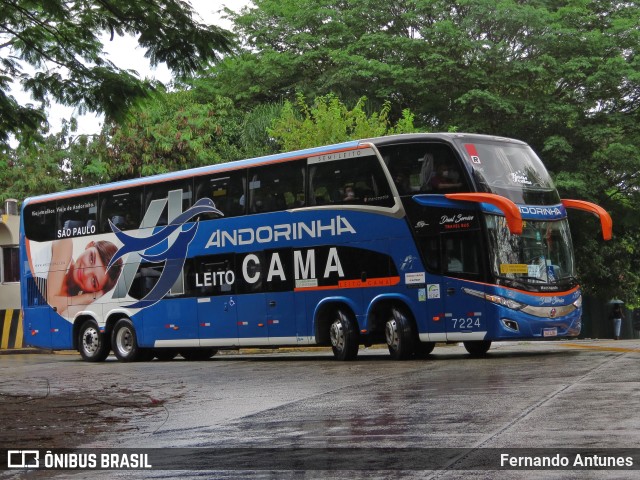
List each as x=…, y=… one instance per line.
x=549, y=332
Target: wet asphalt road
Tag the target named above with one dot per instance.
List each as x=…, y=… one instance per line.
x=553, y=395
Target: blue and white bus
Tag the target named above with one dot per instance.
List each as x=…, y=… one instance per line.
x=406, y=240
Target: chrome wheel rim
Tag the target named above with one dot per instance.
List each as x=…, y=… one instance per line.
x=337, y=335
x=124, y=341
x=391, y=334
x=91, y=341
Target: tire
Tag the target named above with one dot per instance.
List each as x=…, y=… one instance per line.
x=124, y=343
x=198, y=354
x=343, y=334
x=400, y=335
x=477, y=348
x=93, y=344
x=423, y=349
x=165, y=355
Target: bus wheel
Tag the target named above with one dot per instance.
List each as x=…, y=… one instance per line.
x=125, y=343
x=165, y=355
x=423, y=349
x=344, y=337
x=92, y=344
x=477, y=348
x=400, y=336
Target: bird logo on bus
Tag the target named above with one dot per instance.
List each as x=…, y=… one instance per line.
x=173, y=256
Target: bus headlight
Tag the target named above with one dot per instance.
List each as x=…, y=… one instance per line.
x=578, y=302
x=505, y=302
x=497, y=299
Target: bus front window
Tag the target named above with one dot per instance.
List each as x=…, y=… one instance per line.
x=540, y=259
x=511, y=170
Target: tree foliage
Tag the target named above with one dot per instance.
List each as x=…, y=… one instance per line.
x=57, y=162
x=174, y=131
x=329, y=121
x=54, y=49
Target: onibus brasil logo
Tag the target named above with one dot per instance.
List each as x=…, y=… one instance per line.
x=177, y=238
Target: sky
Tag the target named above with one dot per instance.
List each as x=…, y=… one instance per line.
x=124, y=52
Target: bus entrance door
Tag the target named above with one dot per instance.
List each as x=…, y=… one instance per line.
x=464, y=303
x=464, y=313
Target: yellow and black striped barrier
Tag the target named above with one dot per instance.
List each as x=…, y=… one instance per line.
x=11, y=335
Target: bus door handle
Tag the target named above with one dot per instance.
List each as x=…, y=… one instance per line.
x=451, y=291
x=272, y=303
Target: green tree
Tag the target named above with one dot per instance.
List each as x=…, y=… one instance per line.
x=60, y=42
x=329, y=121
x=171, y=132
x=56, y=162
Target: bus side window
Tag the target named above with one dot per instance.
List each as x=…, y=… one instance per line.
x=430, y=247
x=123, y=208
x=77, y=216
x=276, y=187
x=160, y=191
x=40, y=221
x=227, y=191
x=349, y=181
x=425, y=168
x=145, y=279
x=461, y=254
x=210, y=275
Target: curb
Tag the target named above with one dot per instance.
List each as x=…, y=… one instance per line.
x=21, y=351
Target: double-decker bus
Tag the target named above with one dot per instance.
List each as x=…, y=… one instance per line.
x=406, y=240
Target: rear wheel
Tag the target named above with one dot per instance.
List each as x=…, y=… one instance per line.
x=198, y=354
x=477, y=348
x=400, y=335
x=125, y=343
x=343, y=333
x=92, y=343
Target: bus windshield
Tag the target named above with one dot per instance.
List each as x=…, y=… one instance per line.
x=513, y=171
x=540, y=257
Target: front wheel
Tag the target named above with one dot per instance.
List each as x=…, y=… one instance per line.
x=92, y=344
x=400, y=335
x=343, y=333
x=125, y=342
x=477, y=348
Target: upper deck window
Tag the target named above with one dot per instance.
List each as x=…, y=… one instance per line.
x=276, y=187
x=348, y=178
x=424, y=168
x=226, y=190
x=169, y=198
x=122, y=207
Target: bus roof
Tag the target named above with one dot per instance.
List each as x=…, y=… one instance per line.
x=258, y=161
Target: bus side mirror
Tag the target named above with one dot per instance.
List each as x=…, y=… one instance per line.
x=605, y=219
x=510, y=209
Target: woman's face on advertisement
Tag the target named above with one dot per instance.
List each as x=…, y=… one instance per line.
x=90, y=274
